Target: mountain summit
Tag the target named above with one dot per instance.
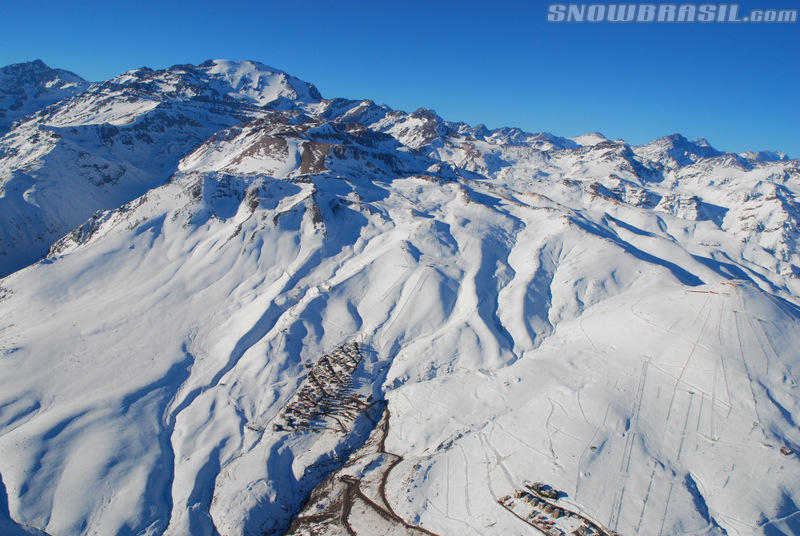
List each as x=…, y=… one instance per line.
x=244, y=82
x=27, y=87
x=231, y=306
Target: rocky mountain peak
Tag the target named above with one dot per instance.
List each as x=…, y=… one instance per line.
x=30, y=86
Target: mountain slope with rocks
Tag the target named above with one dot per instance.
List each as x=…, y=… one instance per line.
x=231, y=306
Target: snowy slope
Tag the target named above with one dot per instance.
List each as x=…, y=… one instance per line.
x=111, y=143
x=620, y=322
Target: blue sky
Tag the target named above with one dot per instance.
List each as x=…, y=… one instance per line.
x=494, y=62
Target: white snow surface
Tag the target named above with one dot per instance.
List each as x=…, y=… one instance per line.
x=592, y=138
x=620, y=322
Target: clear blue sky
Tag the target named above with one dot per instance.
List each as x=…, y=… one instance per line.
x=495, y=62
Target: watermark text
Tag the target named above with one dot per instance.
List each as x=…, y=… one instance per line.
x=677, y=13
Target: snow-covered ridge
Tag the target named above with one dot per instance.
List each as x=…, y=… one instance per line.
x=185, y=251
x=129, y=133
x=248, y=82
x=27, y=87
x=112, y=141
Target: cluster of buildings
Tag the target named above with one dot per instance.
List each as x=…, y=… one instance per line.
x=547, y=517
x=542, y=515
x=325, y=400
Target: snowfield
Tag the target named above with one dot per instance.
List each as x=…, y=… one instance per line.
x=181, y=247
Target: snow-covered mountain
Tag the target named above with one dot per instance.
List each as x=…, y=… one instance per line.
x=114, y=141
x=27, y=87
x=190, y=254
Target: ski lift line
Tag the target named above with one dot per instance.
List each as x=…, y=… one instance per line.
x=691, y=355
x=466, y=478
x=646, y=498
x=775, y=352
x=700, y=413
x=724, y=366
x=722, y=304
x=685, y=425
x=628, y=447
x=747, y=373
x=666, y=508
x=616, y=506
x=760, y=344
x=712, y=422
x=692, y=387
x=447, y=490
x=636, y=410
x=677, y=335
